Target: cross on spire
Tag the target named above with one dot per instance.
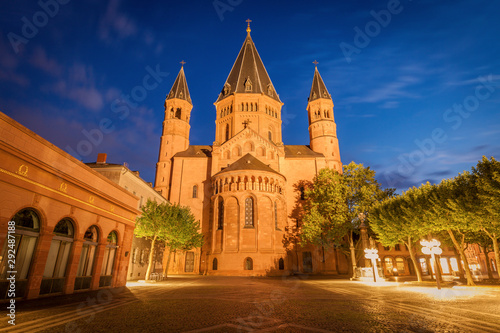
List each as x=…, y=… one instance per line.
x=248, y=27
x=182, y=63
x=315, y=63
x=246, y=123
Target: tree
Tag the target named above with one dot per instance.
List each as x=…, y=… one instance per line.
x=453, y=210
x=152, y=225
x=173, y=224
x=337, y=204
x=400, y=219
x=487, y=181
x=183, y=232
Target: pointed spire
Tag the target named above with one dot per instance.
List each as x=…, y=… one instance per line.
x=180, y=88
x=318, y=89
x=248, y=74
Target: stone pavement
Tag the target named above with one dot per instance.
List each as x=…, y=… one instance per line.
x=242, y=304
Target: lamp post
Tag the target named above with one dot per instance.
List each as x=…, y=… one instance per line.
x=372, y=254
x=432, y=247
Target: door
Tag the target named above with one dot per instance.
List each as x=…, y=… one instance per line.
x=307, y=262
x=189, y=267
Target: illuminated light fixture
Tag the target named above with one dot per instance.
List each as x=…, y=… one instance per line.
x=432, y=248
x=372, y=254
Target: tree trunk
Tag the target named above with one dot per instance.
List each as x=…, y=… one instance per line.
x=353, y=255
x=165, y=269
x=487, y=262
x=460, y=249
x=151, y=256
x=494, y=238
x=461, y=274
x=414, y=260
x=497, y=254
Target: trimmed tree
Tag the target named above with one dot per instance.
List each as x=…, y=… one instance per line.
x=336, y=206
x=487, y=181
x=152, y=225
x=172, y=224
x=183, y=232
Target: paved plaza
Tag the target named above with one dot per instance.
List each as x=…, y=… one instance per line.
x=242, y=304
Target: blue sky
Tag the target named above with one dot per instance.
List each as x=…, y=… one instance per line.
x=416, y=84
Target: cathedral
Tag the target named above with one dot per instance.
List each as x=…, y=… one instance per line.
x=247, y=187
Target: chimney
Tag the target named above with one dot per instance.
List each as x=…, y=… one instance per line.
x=101, y=158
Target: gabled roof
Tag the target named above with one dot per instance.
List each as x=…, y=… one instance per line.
x=318, y=89
x=300, y=151
x=248, y=69
x=248, y=162
x=196, y=151
x=180, y=88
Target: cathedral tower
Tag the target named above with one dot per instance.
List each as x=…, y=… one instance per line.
x=322, y=127
x=248, y=98
x=175, y=135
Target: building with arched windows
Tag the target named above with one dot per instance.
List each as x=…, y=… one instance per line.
x=244, y=188
x=63, y=226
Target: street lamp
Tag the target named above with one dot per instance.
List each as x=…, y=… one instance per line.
x=432, y=247
x=372, y=254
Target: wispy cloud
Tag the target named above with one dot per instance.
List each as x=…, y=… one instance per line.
x=115, y=24
x=78, y=86
x=40, y=60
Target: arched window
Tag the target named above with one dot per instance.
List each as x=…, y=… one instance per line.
x=270, y=135
x=195, y=191
x=400, y=265
x=220, y=219
x=214, y=264
x=26, y=225
x=227, y=132
x=248, y=264
x=281, y=264
x=55, y=267
x=249, y=212
x=108, y=260
x=276, y=215
x=85, y=266
x=389, y=265
x=178, y=113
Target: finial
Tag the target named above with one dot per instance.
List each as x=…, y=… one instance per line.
x=248, y=27
x=315, y=63
x=182, y=63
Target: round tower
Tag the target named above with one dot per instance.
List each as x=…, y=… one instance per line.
x=322, y=127
x=175, y=135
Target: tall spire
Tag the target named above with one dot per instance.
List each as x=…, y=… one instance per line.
x=248, y=74
x=318, y=89
x=180, y=88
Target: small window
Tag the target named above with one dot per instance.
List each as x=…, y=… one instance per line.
x=397, y=247
x=276, y=215
x=220, y=220
x=248, y=264
x=249, y=212
x=195, y=191
x=214, y=264
x=281, y=264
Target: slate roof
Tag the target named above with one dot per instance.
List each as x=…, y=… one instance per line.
x=318, y=89
x=300, y=151
x=180, y=88
x=248, y=162
x=248, y=68
x=196, y=151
